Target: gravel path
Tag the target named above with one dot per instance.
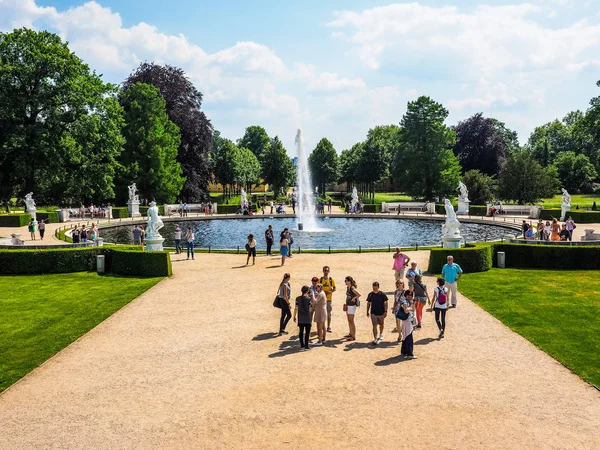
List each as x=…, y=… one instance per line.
x=193, y=363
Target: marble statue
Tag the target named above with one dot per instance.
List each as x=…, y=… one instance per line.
x=30, y=206
x=133, y=197
x=464, y=193
x=244, y=198
x=566, y=204
x=452, y=226
x=155, y=223
x=354, y=197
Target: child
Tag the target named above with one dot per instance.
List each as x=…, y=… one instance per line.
x=440, y=305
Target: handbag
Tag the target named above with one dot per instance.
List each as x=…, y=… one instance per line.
x=401, y=314
x=345, y=307
x=276, y=303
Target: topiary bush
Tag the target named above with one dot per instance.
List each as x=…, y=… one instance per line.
x=144, y=210
x=477, y=210
x=48, y=216
x=471, y=258
x=14, y=220
x=120, y=212
x=133, y=262
x=372, y=208
x=550, y=213
x=559, y=257
x=584, y=216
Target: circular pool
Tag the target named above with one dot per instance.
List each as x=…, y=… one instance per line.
x=341, y=232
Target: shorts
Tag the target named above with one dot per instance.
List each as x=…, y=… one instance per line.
x=377, y=320
x=252, y=251
x=351, y=310
x=399, y=273
x=329, y=307
x=284, y=251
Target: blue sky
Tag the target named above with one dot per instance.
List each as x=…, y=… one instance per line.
x=337, y=68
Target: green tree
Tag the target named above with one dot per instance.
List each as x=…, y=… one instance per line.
x=547, y=141
x=349, y=164
x=375, y=157
x=482, y=188
x=324, y=164
x=151, y=145
x=248, y=169
x=277, y=168
x=525, y=181
x=255, y=139
x=226, y=160
x=424, y=165
x=575, y=172
x=48, y=95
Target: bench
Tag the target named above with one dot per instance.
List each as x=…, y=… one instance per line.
x=532, y=212
x=408, y=206
x=191, y=208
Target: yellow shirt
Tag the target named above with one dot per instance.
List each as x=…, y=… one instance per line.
x=328, y=286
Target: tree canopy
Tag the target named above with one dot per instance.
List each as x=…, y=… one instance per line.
x=575, y=172
x=324, y=164
x=525, y=181
x=255, y=139
x=482, y=188
x=277, y=168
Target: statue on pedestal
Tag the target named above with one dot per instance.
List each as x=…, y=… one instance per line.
x=452, y=226
x=30, y=205
x=244, y=199
x=155, y=223
x=133, y=197
x=566, y=205
x=464, y=193
x=354, y=197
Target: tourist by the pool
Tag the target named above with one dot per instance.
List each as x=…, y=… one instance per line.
x=555, y=230
x=421, y=298
x=313, y=285
x=564, y=233
x=530, y=234
x=401, y=261
x=283, y=248
x=251, y=249
x=412, y=273
x=83, y=234
x=75, y=235
x=377, y=305
x=547, y=231
x=452, y=273
x=189, y=239
x=540, y=230
x=42, y=229
x=398, y=298
x=320, y=314
x=137, y=235
x=352, y=302
x=94, y=233
x=570, y=227
x=329, y=204
x=302, y=315
x=407, y=348
x=329, y=288
x=524, y=228
x=440, y=305
x=284, y=293
x=269, y=238
x=290, y=239
x=31, y=228
x=177, y=237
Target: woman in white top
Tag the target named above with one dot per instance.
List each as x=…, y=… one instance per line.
x=251, y=249
x=440, y=305
x=189, y=238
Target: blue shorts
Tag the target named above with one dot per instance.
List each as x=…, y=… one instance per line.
x=283, y=251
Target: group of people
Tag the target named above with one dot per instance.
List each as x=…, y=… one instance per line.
x=188, y=237
x=91, y=211
x=286, y=239
x=206, y=208
x=33, y=225
x=83, y=234
x=314, y=304
x=550, y=231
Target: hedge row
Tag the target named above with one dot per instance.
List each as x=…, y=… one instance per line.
x=120, y=212
x=144, y=210
x=584, y=216
x=121, y=261
x=372, y=208
x=14, y=220
x=48, y=216
x=471, y=258
x=478, y=210
x=550, y=213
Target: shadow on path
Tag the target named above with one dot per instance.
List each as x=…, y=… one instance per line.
x=393, y=360
x=265, y=336
x=359, y=345
x=425, y=341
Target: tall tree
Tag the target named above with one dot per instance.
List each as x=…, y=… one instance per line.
x=184, y=103
x=482, y=188
x=151, y=145
x=248, y=170
x=575, y=172
x=525, y=181
x=547, y=141
x=226, y=160
x=349, y=164
x=482, y=144
x=277, y=168
x=375, y=156
x=424, y=163
x=324, y=164
x=48, y=94
x=255, y=139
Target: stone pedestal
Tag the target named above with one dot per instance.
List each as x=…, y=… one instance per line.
x=431, y=208
x=16, y=239
x=154, y=243
x=463, y=207
x=563, y=212
x=134, y=208
x=99, y=242
x=109, y=212
x=32, y=213
x=451, y=241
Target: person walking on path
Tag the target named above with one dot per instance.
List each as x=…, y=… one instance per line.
x=398, y=298
x=283, y=301
x=31, y=228
x=328, y=284
x=407, y=348
x=400, y=263
x=352, y=302
x=269, y=238
x=189, y=239
x=42, y=228
x=421, y=298
x=251, y=249
x=177, y=236
x=440, y=305
x=283, y=248
x=320, y=317
x=377, y=305
x=452, y=273
x=302, y=315
x=136, y=234
x=570, y=227
x=412, y=273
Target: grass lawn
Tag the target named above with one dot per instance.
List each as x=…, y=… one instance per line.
x=581, y=200
x=391, y=197
x=558, y=311
x=41, y=315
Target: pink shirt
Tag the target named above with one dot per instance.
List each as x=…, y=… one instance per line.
x=399, y=262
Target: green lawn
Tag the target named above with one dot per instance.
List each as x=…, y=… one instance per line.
x=41, y=315
x=391, y=197
x=581, y=200
x=558, y=311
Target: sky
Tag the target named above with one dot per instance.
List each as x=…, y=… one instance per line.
x=337, y=68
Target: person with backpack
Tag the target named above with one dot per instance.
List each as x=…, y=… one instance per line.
x=421, y=298
x=398, y=299
x=452, y=273
x=328, y=284
x=283, y=302
x=440, y=305
x=405, y=314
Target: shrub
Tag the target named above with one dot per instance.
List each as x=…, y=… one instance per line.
x=584, y=216
x=559, y=257
x=144, y=210
x=372, y=208
x=471, y=258
x=132, y=262
x=477, y=210
x=14, y=220
x=120, y=212
x=48, y=216
x=550, y=213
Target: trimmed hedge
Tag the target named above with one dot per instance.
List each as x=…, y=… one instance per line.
x=127, y=261
x=120, y=212
x=555, y=257
x=372, y=208
x=14, y=220
x=48, y=216
x=144, y=210
x=550, y=213
x=584, y=216
x=477, y=210
x=471, y=258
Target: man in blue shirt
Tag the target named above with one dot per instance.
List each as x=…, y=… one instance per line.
x=451, y=273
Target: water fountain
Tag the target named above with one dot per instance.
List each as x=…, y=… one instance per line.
x=305, y=209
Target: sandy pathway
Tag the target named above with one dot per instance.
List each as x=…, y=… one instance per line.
x=193, y=364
